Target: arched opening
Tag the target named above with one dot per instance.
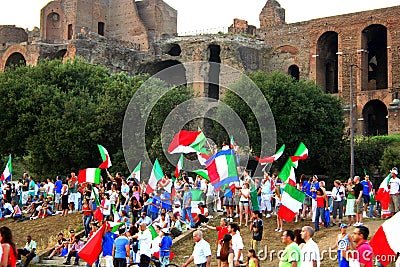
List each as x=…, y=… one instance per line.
x=177, y=76
x=375, y=118
x=175, y=50
x=213, y=75
x=53, y=27
x=327, y=62
x=294, y=72
x=374, y=58
x=100, y=28
x=70, y=32
x=15, y=59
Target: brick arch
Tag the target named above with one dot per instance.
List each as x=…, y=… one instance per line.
x=48, y=31
x=15, y=49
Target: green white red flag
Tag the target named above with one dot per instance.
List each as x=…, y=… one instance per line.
x=7, y=171
x=155, y=176
x=300, y=154
x=202, y=173
x=187, y=142
x=232, y=142
x=136, y=171
x=292, y=200
x=152, y=231
x=179, y=167
x=269, y=159
x=287, y=173
x=90, y=252
x=105, y=156
x=202, y=157
x=89, y=175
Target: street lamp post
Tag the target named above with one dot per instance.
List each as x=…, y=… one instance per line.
x=351, y=122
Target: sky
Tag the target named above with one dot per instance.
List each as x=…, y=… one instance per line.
x=208, y=16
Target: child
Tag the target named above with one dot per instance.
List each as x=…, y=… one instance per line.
x=279, y=220
x=253, y=259
x=322, y=204
x=165, y=246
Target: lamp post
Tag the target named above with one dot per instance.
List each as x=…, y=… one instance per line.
x=351, y=122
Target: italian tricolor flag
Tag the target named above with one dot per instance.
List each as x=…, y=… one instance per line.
x=232, y=142
x=292, y=200
x=202, y=173
x=385, y=243
x=136, y=171
x=268, y=159
x=187, y=142
x=300, y=154
x=179, y=167
x=106, y=158
x=202, y=157
x=382, y=195
x=287, y=173
x=7, y=171
x=89, y=175
x=155, y=176
x=90, y=252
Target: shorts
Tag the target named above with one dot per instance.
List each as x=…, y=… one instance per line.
x=57, y=199
x=366, y=199
x=244, y=203
x=71, y=198
x=359, y=208
x=307, y=201
x=228, y=201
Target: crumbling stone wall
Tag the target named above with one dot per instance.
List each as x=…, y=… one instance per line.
x=9, y=34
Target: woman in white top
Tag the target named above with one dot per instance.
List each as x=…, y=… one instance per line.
x=244, y=202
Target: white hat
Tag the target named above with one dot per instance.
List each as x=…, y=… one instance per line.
x=165, y=230
x=394, y=171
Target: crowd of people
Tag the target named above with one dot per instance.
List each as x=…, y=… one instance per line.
x=170, y=211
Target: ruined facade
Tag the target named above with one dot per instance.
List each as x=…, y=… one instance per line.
x=138, y=37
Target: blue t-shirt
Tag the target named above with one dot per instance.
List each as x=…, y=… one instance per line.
x=166, y=244
x=365, y=185
x=157, y=202
x=58, y=186
x=120, y=244
x=228, y=193
x=306, y=188
x=108, y=243
x=314, y=186
x=166, y=204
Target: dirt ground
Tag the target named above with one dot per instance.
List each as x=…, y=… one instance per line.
x=44, y=232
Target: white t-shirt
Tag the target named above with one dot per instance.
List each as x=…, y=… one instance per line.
x=310, y=253
x=107, y=210
x=201, y=251
x=145, y=242
x=394, y=185
x=237, y=244
x=50, y=188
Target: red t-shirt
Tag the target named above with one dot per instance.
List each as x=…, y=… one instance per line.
x=366, y=255
x=221, y=232
x=320, y=202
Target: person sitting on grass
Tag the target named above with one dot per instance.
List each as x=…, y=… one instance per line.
x=7, y=208
x=58, y=247
x=202, y=216
x=17, y=213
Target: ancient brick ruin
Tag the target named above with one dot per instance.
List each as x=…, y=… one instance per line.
x=138, y=37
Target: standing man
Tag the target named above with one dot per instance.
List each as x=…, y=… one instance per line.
x=313, y=189
x=222, y=230
x=165, y=247
x=121, y=249
x=358, y=207
x=266, y=195
x=237, y=243
x=144, y=238
x=310, y=251
x=364, y=254
x=257, y=228
x=292, y=254
x=186, y=205
x=29, y=251
x=367, y=190
x=201, y=255
x=57, y=193
x=394, y=187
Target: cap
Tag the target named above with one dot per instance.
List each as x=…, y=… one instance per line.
x=343, y=225
x=315, y=176
x=165, y=230
x=200, y=204
x=394, y=171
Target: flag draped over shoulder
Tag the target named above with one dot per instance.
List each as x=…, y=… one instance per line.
x=187, y=142
x=105, y=156
x=272, y=158
x=222, y=169
x=179, y=166
x=7, y=170
x=90, y=252
x=292, y=200
x=300, y=154
x=385, y=243
x=155, y=176
x=382, y=195
x=89, y=175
